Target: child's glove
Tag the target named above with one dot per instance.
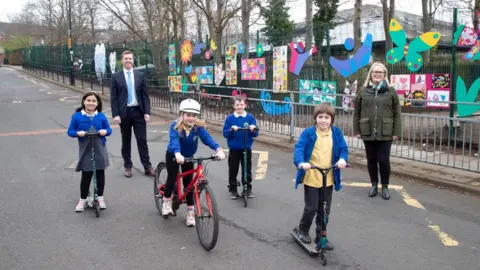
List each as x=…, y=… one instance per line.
x=305, y=166
x=341, y=164
x=179, y=158
x=220, y=154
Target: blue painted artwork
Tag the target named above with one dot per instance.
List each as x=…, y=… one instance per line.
x=275, y=108
x=359, y=59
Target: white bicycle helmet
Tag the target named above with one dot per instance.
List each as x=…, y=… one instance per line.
x=190, y=105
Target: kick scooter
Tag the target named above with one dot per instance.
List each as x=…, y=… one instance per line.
x=321, y=247
x=95, y=205
x=244, y=174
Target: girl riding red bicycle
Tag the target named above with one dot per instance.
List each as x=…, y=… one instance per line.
x=184, y=134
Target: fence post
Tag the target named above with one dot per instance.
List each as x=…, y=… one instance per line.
x=454, y=72
x=292, y=117
x=329, y=70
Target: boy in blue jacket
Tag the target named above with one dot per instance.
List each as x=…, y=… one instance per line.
x=235, y=141
x=322, y=146
x=184, y=134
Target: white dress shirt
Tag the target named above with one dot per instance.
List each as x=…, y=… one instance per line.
x=134, y=94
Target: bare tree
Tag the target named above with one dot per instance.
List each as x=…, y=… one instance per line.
x=26, y=16
x=218, y=14
x=92, y=11
x=388, y=13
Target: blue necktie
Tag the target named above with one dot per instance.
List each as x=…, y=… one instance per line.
x=130, y=88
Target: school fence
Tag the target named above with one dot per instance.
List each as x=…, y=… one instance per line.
x=428, y=135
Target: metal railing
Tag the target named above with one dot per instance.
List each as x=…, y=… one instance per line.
x=429, y=137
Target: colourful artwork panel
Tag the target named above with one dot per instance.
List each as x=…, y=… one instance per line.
x=419, y=86
x=231, y=65
x=175, y=83
x=440, y=81
x=280, y=73
x=204, y=74
x=172, y=61
x=316, y=92
x=433, y=96
x=254, y=69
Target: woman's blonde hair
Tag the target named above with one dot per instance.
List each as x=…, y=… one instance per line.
x=369, y=75
x=180, y=125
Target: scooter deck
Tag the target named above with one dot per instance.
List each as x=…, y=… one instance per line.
x=310, y=248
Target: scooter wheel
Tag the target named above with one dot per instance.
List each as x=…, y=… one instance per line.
x=97, y=209
x=323, y=259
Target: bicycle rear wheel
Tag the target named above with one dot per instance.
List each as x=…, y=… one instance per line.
x=206, y=216
x=160, y=179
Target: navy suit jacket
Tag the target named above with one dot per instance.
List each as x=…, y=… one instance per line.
x=119, y=93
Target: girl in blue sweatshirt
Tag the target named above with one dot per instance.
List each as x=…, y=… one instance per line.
x=235, y=141
x=89, y=118
x=184, y=134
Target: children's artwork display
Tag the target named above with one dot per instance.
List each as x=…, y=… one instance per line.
x=360, y=59
x=299, y=56
x=231, y=65
x=280, y=74
x=348, y=101
x=219, y=74
x=175, y=83
x=410, y=51
x=172, y=61
x=204, y=74
x=463, y=95
x=186, y=51
x=424, y=90
x=316, y=92
x=254, y=69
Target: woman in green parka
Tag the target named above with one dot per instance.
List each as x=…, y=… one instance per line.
x=377, y=121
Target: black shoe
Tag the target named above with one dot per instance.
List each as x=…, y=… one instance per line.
x=250, y=194
x=304, y=237
x=233, y=195
x=373, y=191
x=385, y=193
x=329, y=245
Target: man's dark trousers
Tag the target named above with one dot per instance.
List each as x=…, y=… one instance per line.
x=135, y=119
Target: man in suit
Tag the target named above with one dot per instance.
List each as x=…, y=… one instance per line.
x=131, y=108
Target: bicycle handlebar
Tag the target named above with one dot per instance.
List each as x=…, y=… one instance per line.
x=198, y=159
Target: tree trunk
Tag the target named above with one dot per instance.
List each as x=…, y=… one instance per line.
x=476, y=17
x=181, y=14
x=246, y=8
x=309, y=24
x=427, y=26
x=388, y=13
x=357, y=26
x=199, y=25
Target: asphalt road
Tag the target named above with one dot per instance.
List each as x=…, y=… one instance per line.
x=40, y=230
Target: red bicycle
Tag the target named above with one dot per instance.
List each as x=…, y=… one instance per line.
x=199, y=184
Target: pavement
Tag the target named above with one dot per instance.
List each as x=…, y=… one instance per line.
x=420, y=227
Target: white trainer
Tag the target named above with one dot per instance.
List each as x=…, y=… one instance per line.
x=190, y=218
x=167, y=207
x=80, y=206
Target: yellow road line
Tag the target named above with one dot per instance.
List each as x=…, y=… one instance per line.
x=446, y=239
x=406, y=197
x=262, y=164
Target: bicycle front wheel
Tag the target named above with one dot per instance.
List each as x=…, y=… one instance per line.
x=206, y=216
